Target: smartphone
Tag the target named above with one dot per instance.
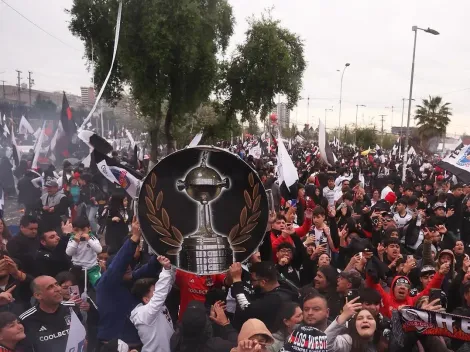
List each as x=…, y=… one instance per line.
x=351, y=294
x=74, y=291
x=64, y=218
x=434, y=294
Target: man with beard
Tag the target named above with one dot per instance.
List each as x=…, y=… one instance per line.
x=268, y=289
x=315, y=311
x=400, y=289
x=51, y=258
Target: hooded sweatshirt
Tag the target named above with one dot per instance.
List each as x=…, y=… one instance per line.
x=251, y=328
x=152, y=320
x=390, y=303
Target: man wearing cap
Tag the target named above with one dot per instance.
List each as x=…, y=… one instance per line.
x=54, y=205
x=399, y=294
x=348, y=280
x=425, y=277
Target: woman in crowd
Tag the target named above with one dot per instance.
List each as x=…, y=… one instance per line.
x=11, y=332
x=359, y=335
x=289, y=316
x=5, y=235
x=117, y=222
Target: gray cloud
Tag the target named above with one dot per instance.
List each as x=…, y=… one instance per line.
x=374, y=36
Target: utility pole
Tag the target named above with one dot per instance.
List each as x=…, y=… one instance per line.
x=19, y=86
x=3, y=86
x=383, y=119
x=30, y=85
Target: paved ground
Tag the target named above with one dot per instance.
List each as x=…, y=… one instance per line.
x=11, y=212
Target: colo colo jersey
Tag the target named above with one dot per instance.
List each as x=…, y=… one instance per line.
x=47, y=332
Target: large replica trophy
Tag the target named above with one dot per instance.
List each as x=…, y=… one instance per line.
x=204, y=251
x=199, y=220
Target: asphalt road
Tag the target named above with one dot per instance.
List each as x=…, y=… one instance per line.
x=12, y=212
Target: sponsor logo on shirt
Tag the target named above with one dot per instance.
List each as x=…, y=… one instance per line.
x=57, y=335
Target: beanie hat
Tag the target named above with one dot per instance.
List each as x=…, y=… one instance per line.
x=391, y=198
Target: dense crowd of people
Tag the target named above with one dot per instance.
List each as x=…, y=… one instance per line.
x=353, y=245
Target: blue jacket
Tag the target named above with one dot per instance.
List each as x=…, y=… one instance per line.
x=114, y=299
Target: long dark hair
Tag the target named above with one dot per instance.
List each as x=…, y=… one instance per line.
x=116, y=203
x=358, y=343
x=286, y=312
x=6, y=235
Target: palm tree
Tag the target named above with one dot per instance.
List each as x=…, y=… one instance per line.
x=432, y=119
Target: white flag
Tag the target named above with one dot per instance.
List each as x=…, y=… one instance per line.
x=106, y=171
x=131, y=139
x=255, y=151
x=37, y=133
x=77, y=334
x=285, y=167
x=25, y=127
x=126, y=180
x=197, y=138
x=38, y=147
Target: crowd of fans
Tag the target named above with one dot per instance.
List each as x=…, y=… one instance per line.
x=353, y=245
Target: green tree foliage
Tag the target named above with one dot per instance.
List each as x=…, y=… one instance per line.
x=167, y=54
x=209, y=118
x=269, y=62
x=432, y=119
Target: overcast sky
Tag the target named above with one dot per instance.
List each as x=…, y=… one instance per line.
x=375, y=37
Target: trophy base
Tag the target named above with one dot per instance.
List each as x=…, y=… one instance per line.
x=205, y=255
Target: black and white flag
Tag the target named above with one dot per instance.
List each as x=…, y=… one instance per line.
x=458, y=163
x=326, y=153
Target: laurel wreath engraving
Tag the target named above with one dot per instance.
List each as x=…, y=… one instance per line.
x=249, y=215
x=160, y=219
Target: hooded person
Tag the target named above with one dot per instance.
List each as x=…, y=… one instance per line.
x=446, y=256
x=195, y=333
x=253, y=334
x=399, y=294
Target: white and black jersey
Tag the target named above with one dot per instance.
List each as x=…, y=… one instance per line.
x=47, y=332
x=401, y=221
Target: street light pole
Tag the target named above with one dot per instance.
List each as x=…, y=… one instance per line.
x=357, y=110
x=405, y=159
x=341, y=99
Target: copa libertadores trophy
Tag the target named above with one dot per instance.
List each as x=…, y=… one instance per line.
x=204, y=251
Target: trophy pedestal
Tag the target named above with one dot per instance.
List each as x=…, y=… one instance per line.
x=205, y=255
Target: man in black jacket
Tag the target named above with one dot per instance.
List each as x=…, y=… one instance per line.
x=25, y=244
x=264, y=280
x=51, y=258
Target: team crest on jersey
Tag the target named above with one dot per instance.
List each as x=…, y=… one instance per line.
x=68, y=319
x=465, y=159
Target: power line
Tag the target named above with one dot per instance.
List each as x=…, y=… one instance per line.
x=39, y=27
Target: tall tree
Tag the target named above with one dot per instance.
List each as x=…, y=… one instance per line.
x=167, y=53
x=269, y=62
x=432, y=119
